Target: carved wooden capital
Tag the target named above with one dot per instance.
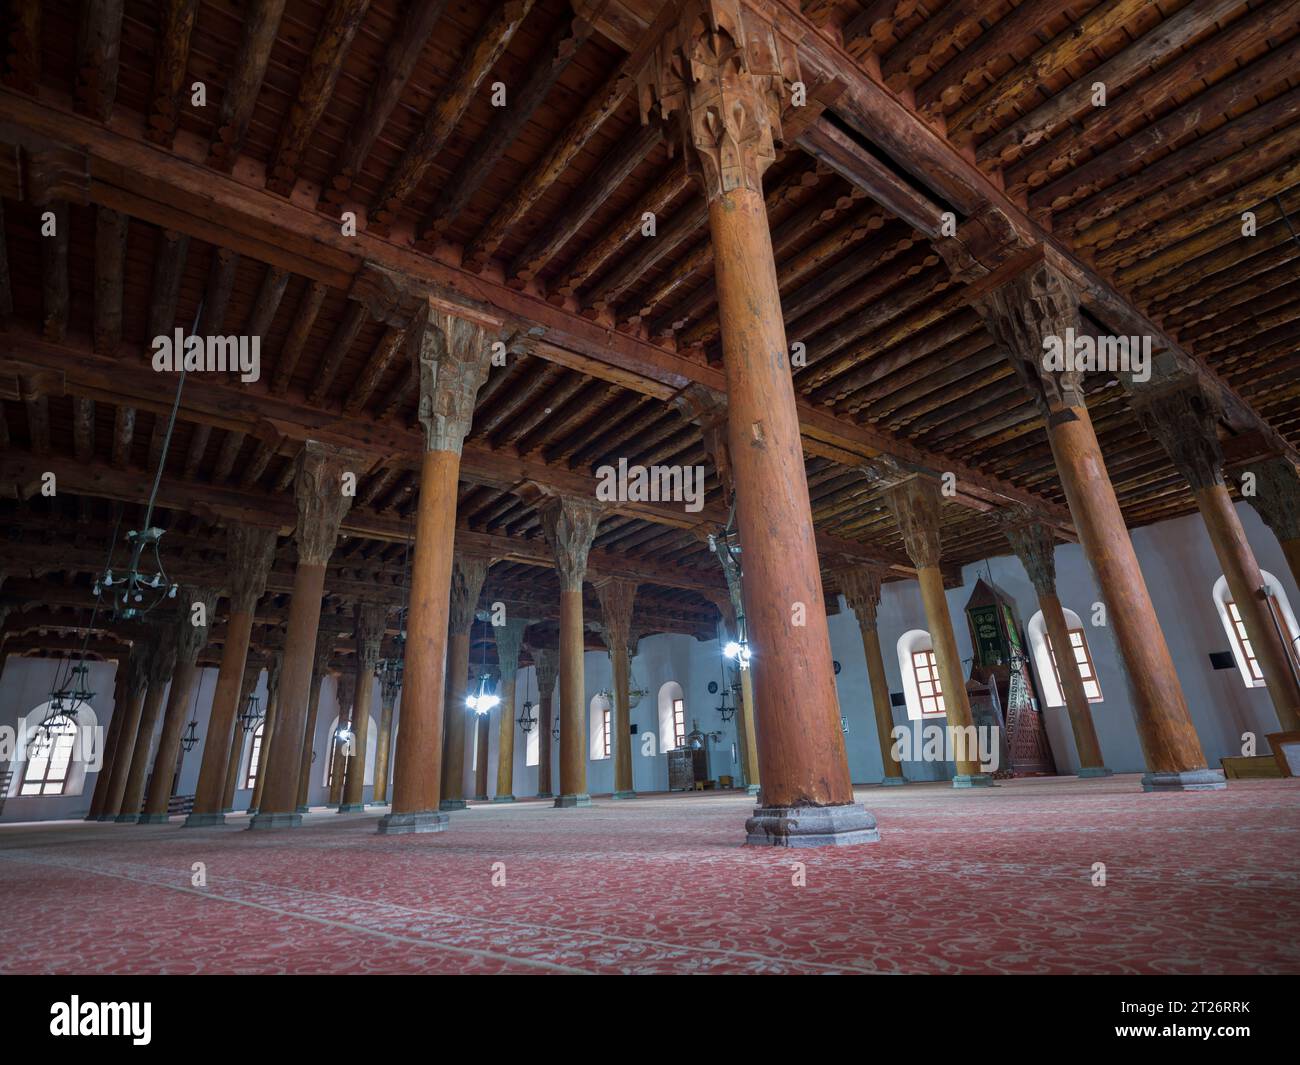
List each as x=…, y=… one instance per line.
x=346, y=693
x=453, y=356
x=467, y=575
x=915, y=505
x=510, y=641
x=390, y=685
x=1022, y=314
x=569, y=525
x=982, y=242
x=547, y=660
x=162, y=663
x=249, y=553
x=861, y=588
x=372, y=620
x=616, y=595
x=1034, y=545
x=138, y=671
x=1277, y=497
x=323, y=652
x=252, y=670
x=1184, y=418
x=318, y=489
x=191, y=638
x=722, y=70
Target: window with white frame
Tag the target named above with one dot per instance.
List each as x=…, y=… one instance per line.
x=1277, y=605
x=49, y=756
x=672, y=716
x=1046, y=663
x=599, y=720
x=922, y=688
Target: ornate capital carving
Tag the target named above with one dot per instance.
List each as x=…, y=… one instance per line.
x=1184, y=418
x=723, y=71
x=915, y=505
x=467, y=576
x=1277, y=497
x=252, y=670
x=323, y=652
x=249, y=553
x=1034, y=545
x=569, y=525
x=138, y=676
x=372, y=620
x=547, y=661
x=318, y=489
x=390, y=684
x=861, y=588
x=452, y=356
x=191, y=638
x=616, y=595
x=982, y=243
x=510, y=641
x=345, y=693
x=162, y=663
x=1022, y=314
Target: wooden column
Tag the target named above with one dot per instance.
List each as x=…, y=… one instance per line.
x=482, y=744
x=161, y=666
x=249, y=553
x=1035, y=546
x=467, y=576
x=121, y=678
x=137, y=685
x=731, y=606
x=453, y=356
x=1183, y=416
x=861, y=588
x=914, y=502
x=372, y=619
x=510, y=641
x=321, y=506
x=1277, y=501
x=274, y=672
x=1022, y=314
x=252, y=671
x=547, y=661
x=319, y=667
x=723, y=75
x=569, y=525
x=345, y=693
x=389, y=687
x=616, y=595
x=190, y=640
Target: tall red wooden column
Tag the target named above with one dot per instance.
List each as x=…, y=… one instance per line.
x=861, y=588
x=371, y=621
x=137, y=684
x=616, y=595
x=121, y=678
x=1032, y=308
x=322, y=502
x=723, y=74
x=467, y=575
x=319, y=667
x=453, y=357
x=510, y=641
x=161, y=667
x=249, y=553
x=546, y=661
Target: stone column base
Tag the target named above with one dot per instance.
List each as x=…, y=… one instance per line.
x=546, y=794
x=263, y=821
x=752, y=789
x=227, y=809
x=452, y=804
x=973, y=780
x=204, y=820
x=302, y=809
x=351, y=807
x=381, y=804
x=126, y=819
x=106, y=817
x=402, y=824
x=1187, y=780
x=480, y=798
x=566, y=801
x=1094, y=771
x=153, y=819
x=503, y=798
x=624, y=795
x=894, y=782
x=811, y=826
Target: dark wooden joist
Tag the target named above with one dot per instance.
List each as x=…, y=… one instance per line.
x=123, y=434
x=391, y=346
x=304, y=317
x=345, y=335
x=493, y=38
x=22, y=53
x=168, y=269
x=908, y=59
x=261, y=23
x=99, y=44
x=110, y=259
x=407, y=44
x=877, y=19
x=176, y=24
x=54, y=272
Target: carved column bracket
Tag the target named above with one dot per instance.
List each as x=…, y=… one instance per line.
x=915, y=505
x=140, y=667
x=616, y=595
x=372, y=620
x=569, y=525
x=723, y=72
x=345, y=693
x=708, y=409
x=510, y=641
x=467, y=575
x=452, y=356
x=318, y=489
x=191, y=638
x=983, y=242
x=1034, y=545
x=249, y=553
x=1040, y=304
x=861, y=588
x=163, y=661
x=547, y=661
x=1277, y=497
x=1183, y=417
x=323, y=652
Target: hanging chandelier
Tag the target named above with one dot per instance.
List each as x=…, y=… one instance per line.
x=728, y=553
x=527, y=716
x=483, y=700
x=251, y=714
x=191, y=738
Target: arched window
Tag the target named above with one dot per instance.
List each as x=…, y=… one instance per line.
x=1048, y=665
x=921, y=687
x=1230, y=616
x=599, y=720
x=332, y=742
x=672, y=717
x=254, y=756
x=49, y=756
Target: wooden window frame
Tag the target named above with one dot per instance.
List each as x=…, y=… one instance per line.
x=926, y=672
x=679, y=723
x=45, y=780
x=254, y=757
x=1082, y=645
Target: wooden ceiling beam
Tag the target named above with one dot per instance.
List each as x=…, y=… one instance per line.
x=175, y=27
x=261, y=24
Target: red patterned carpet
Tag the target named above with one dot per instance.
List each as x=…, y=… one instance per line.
x=961, y=882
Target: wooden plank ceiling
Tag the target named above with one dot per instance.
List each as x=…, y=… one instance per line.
x=534, y=210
